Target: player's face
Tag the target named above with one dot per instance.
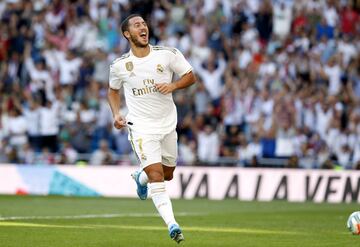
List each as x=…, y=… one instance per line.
x=138, y=32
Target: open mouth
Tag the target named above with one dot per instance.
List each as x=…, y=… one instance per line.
x=143, y=35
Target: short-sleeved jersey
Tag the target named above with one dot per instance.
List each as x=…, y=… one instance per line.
x=150, y=111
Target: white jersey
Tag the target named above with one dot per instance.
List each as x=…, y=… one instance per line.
x=150, y=112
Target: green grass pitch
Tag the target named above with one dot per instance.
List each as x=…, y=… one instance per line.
x=116, y=222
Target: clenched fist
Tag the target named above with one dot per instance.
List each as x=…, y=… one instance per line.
x=119, y=121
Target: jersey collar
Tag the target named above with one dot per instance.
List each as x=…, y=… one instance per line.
x=142, y=58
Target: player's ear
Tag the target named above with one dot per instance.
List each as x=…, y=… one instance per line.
x=127, y=34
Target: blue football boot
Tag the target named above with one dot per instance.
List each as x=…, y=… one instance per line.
x=141, y=190
x=176, y=234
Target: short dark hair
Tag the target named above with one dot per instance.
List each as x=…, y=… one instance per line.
x=125, y=23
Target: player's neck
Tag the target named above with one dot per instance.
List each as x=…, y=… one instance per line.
x=140, y=51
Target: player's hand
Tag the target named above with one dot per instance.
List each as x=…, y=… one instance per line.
x=119, y=122
x=165, y=88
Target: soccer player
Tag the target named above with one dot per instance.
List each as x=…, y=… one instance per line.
x=146, y=74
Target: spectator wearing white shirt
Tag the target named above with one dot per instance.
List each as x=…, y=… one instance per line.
x=49, y=127
x=332, y=72
x=266, y=105
x=267, y=67
x=212, y=76
x=344, y=156
x=14, y=65
x=26, y=154
x=244, y=57
x=41, y=79
x=50, y=54
x=177, y=17
x=346, y=138
x=17, y=128
x=121, y=142
x=103, y=155
x=330, y=14
x=324, y=115
x=232, y=105
x=208, y=145
x=104, y=115
x=198, y=31
x=254, y=148
x=54, y=16
x=314, y=5
x=249, y=37
x=101, y=67
x=282, y=20
x=87, y=115
x=309, y=115
x=242, y=151
x=201, y=98
x=332, y=135
x=32, y=117
x=68, y=154
x=68, y=66
x=347, y=49
x=187, y=151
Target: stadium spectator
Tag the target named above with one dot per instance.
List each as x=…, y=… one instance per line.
x=49, y=123
x=68, y=155
x=282, y=20
x=120, y=138
x=187, y=151
x=26, y=154
x=32, y=118
x=211, y=74
x=103, y=155
x=208, y=145
x=349, y=19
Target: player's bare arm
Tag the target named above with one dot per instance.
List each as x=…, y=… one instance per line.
x=185, y=81
x=114, y=102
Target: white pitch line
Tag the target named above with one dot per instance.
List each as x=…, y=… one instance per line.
x=212, y=230
x=92, y=216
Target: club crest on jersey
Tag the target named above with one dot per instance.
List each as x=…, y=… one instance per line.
x=129, y=67
x=159, y=68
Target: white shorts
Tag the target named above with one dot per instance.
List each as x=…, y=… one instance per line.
x=151, y=149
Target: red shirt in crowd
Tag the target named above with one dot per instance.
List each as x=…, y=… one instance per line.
x=349, y=18
x=4, y=45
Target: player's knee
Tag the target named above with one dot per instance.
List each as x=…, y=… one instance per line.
x=156, y=176
x=169, y=177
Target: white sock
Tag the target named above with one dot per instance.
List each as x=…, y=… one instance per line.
x=162, y=202
x=143, y=178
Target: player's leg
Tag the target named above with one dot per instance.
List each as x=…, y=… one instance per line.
x=140, y=177
x=158, y=192
x=149, y=152
x=169, y=156
x=168, y=172
x=161, y=199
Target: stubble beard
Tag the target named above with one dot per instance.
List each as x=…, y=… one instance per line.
x=137, y=43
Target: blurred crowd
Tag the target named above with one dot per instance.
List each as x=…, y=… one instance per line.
x=278, y=81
